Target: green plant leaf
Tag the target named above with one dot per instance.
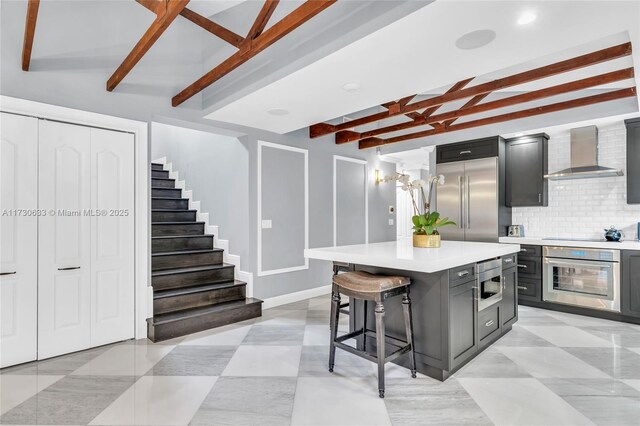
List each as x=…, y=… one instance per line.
x=423, y=220
x=429, y=230
x=416, y=221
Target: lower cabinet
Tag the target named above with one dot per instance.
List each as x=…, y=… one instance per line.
x=631, y=283
x=509, y=305
x=489, y=324
x=463, y=323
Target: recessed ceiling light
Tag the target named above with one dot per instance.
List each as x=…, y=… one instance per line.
x=278, y=111
x=351, y=87
x=527, y=17
x=475, y=39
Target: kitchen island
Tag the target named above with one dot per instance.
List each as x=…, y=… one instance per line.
x=456, y=309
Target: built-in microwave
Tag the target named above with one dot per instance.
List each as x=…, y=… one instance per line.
x=489, y=283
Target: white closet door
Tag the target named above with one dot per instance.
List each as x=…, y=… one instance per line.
x=64, y=283
x=19, y=239
x=112, y=248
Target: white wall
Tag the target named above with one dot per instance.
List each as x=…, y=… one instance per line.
x=582, y=208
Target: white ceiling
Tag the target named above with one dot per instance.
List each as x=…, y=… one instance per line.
x=417, y=54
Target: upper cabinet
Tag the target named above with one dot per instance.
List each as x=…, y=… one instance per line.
x=469, y=150
x=633, y=160
x=527, y=164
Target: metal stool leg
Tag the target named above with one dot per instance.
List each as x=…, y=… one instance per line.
x=408, y=324
x=335, y=313
x=380, y=340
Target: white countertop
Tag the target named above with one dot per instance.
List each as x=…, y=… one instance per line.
x=402, y=255
x=623, y=245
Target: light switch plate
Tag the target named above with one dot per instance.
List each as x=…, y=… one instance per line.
x=266, y=224
x=390, y=222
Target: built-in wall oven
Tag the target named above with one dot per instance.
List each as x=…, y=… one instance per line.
x=582, y=277
x=489, y=283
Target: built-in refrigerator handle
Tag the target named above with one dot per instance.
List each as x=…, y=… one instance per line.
x=460, y=223
x=468, y=201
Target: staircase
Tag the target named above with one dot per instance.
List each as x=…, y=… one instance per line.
x=193, y=289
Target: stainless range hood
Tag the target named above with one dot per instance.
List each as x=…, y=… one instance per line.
x=584, y=157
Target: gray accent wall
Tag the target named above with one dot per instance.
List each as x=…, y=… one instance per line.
x=216, y=169
x=283, y=172
x=350, y=202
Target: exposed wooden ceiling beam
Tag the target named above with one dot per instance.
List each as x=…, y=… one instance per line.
x=156, y=6
x=472, y=102
x=492, y=86
x=153, y=33
x=299, y=16
x=560, y=106
x=159, y=7
x=262, y=19
x=468, y=109
x=215, y=29
x=455, y=88
x=29, y=32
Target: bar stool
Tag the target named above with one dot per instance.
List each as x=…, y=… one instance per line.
x=376, y=288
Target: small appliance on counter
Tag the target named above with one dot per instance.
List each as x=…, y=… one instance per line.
x=516, y=230
x=613, y=234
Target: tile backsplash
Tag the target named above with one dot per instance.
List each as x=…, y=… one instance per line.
x=583, y=208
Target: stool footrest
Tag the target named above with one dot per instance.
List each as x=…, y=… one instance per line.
x=349, y=335
x=392, y=356
x=392, y=340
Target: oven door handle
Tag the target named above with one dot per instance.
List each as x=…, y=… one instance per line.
x=574, y=262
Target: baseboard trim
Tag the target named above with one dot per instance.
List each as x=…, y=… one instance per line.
x=272, y=302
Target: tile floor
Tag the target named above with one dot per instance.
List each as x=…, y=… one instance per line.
x=551, y=369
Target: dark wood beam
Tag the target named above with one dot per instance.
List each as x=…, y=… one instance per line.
x=560, y=106
x=261, y=21
x=153, y=33
x=472, y=102
x=469, y=109
x=160, y=6
x=29, y=32
x=215, y=29
x=455, y=88
x=299, y=16
x=156, y=6
x=578, y=62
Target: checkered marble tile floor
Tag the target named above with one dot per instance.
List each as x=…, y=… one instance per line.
x=551, y=369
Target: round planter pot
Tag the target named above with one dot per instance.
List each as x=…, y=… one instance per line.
x=426, y=241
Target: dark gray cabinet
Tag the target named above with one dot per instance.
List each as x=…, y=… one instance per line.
x=631, y=283
x=529, y=276
x=527, y=164
x=463, y=323
x=633, y=160
x=469, y=150
x=509, y=308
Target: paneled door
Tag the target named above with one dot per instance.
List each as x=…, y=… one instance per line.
x=112, y=230
x=19, y=239
x=64, y=282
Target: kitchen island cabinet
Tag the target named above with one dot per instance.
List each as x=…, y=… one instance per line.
x=444, y=295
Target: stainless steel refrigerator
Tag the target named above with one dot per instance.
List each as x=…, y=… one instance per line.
x=471, y=196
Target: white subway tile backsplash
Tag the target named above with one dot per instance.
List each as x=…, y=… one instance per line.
x=583, y=208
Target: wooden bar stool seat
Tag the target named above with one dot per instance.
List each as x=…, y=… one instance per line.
x=364, y=286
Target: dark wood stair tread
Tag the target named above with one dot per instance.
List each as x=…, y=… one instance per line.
x=186, y=252
x=181, y=236
x=197, y=289
x=190, y=222
x=167, y=198
x=172, y=210
x=162, y=178
x=196, y=312
x=191, y=269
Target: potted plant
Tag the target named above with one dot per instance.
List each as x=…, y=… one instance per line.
x=425, y=221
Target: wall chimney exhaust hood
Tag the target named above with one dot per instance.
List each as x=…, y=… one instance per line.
x=584, y=157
